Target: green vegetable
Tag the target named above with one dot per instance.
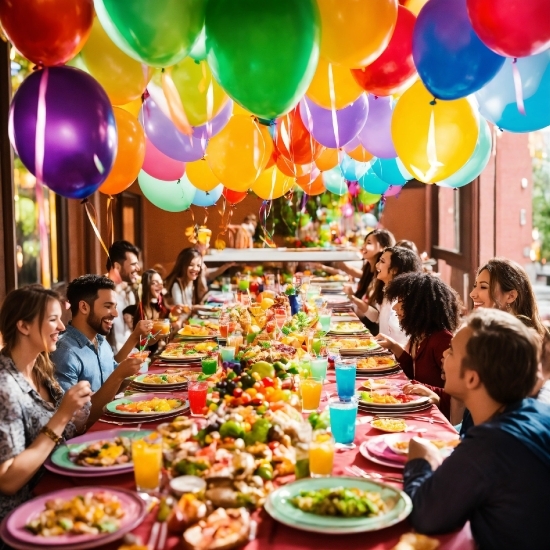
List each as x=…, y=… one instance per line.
x=247, y=381
x=188, y=468
x=258, y=433
x=231, y=429
x=231, y=374
x=265, y=471
x=66, y=523
x=319, y=421
x=366, y=396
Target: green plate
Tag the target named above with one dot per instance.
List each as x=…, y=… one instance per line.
x=279, y=507
x=61, y=456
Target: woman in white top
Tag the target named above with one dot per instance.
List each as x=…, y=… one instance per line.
x=394, y=261
x=184, y=283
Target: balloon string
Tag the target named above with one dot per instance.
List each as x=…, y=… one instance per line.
x=332, y=95
x=110, y=220
x=205, y=216
x=518, y=86
x=258, y=163
x=265, y=210
x=92, y=216
x=175, y=106
x=209, y=104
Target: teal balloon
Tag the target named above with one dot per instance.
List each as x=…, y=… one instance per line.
x=404, y=172
x=351, y=169
x=371, y=183
x=263, y=53
x=156, y=33
x=335, y=182
x=388, y=170
x=172, y=196
x=207, y=198
x=477, y=162
x=368, y=198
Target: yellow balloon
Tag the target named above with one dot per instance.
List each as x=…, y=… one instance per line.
x=272, y=184
x=200, y=175
x=415, y=5
x=238, y=110
x=356, y=32
x=269, y=145
x=434, y=139
x=123, y=78
x=133, y=107
x=344, y=87
x=237, y=154
x=201, y=96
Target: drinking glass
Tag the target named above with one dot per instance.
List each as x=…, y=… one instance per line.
x=319, y=366
x=224, y=325
x=343, y=415
x=161, y=327
x=321, y=454
x=227, y=353
x=311, y=389
x=235, y=341
x=244, y=283
x=197, y=390
x=309, y=340
x=324, y=319
x=269, y=281
x=210, y=364
x=147, y=459
x=226, y=284
x=346, y=372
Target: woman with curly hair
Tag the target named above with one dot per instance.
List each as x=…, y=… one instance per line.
x=428, y=312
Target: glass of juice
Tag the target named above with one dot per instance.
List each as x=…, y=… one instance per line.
x=343, y=415
x=324, y=319
x=311, y=389
x=224, y=325
x=161, y=327
x=226, y=284
x=227, y=353
x=197, y=390
x=147, y=459
x=235, y=341
x=210, y=364
x=346, y=372
x=321, y=454
x=269, y=281
x=244, y=284
x=319, y=366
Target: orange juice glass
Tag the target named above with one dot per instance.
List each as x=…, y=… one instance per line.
x=147, y=459
x=311, y=389
x=161, y=326
x=321, y=454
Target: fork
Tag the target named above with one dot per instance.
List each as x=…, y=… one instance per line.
x=358, y=472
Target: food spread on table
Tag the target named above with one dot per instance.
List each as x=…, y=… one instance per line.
x=188, y=350
x=207, y=328
x=92, y=513
x=354, y=343
x=179, y=377
x=376, y=362
x=150, y=405
x=391, y=425
x=348, y=327
x=340, y=501
x=382, y=397
x=103, y=453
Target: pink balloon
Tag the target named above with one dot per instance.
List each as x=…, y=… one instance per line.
x=160, y=166
x=393, y=190
x=347, y=210
x=353, y=188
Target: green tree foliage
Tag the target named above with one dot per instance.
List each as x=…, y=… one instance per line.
x=541, y=203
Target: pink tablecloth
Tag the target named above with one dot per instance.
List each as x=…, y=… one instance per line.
x=272, y=535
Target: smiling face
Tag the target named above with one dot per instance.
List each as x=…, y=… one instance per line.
x=383, y=270
x=156, y=285
x=371, y=248
x=43, y=336
x=194, y=269
x=481, y=293
x=130, y=268
x=100, y=316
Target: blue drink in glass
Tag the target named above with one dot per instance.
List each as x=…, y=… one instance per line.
x=345, y=379
x=343, y=415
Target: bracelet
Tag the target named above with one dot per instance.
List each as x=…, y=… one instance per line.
x=51, y=434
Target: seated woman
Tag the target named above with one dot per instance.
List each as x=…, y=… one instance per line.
x=393, y=262
x=428, y=311
x=184, y=283
x=35, y=413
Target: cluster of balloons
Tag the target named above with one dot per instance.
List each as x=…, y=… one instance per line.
x=209, y=98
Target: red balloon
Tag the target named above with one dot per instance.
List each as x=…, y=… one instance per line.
x=293, y=141
x=234, y=197
x=512, y=28
x=394, y=70
x=47, y=32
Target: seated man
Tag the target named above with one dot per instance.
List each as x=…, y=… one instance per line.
x=82, y=351
x=498, y=478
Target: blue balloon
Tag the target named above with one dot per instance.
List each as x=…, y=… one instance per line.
x=207, y=198
x=449, y=56
x=351, y=169
x=477, y=162
x=371, y=183
x=498, y=102
x=404, y=172
x=335, y=182
x=388, y=170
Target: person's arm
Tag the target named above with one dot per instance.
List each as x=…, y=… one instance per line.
x=177, y=294
x=18, y=465
x=213, y=272
x=68, y=367
x=142, y=328
x=353, y=271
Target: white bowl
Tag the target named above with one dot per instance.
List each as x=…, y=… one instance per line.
x=187, y=484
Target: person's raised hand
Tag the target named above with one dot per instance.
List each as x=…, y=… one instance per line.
x=387, y=343
x=419, y=389
x=128, y=367
x=143, y=327
x=422, y=448
x=75, y=398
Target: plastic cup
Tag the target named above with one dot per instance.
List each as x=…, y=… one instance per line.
x=209, y=365
x=147, y=459
x=343, y=415
x=346, y=373
x=227, y=353
x=319, y=367
x=311, y=389
x=321, y=454
x=197, y=390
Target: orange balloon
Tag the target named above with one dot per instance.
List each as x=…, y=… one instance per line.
x=356, y=32
x=316, y=187
x=238, y=110
x=294, y=170
x=336, y=79
x=360, y=154
x=272, y=184
x=200, y=175
x=130, y=153
x=327, y=159
x=237, y=155
x=133, y=107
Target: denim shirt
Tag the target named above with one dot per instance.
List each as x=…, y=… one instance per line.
x=76, y=359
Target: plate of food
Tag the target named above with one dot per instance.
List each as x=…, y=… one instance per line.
x=399, y=444
x=146, y=404
x=338, y=505
x=97, y=453
x=346, y=327
x=79, y=517
x=377, y=362
x=349, y=346
x=199, y=331
x=392, y=399
x=389, y=425
x=189, y=352
x=165, y=380
x=380, y=384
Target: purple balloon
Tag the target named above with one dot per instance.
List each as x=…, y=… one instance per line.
x=353, y=188
x=166, y=137
x=393, y=190
x=352, y=145
x=80, y=136
x=319, y=121
x=216, y=125
x=375, y=135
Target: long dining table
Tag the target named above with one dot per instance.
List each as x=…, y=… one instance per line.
x=272, y=535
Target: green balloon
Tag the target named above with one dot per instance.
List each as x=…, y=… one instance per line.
x=198, y=52
x=156, y=33
x=173, y=196
x=263, y=53
x=368, y=198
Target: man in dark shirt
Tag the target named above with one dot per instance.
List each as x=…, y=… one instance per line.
x=498, y=478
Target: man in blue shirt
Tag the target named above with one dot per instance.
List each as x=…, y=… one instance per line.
x=82, y=351
x=498, y=478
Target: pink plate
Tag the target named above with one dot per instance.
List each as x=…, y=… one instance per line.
x=369, y=456
x=14, y=524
